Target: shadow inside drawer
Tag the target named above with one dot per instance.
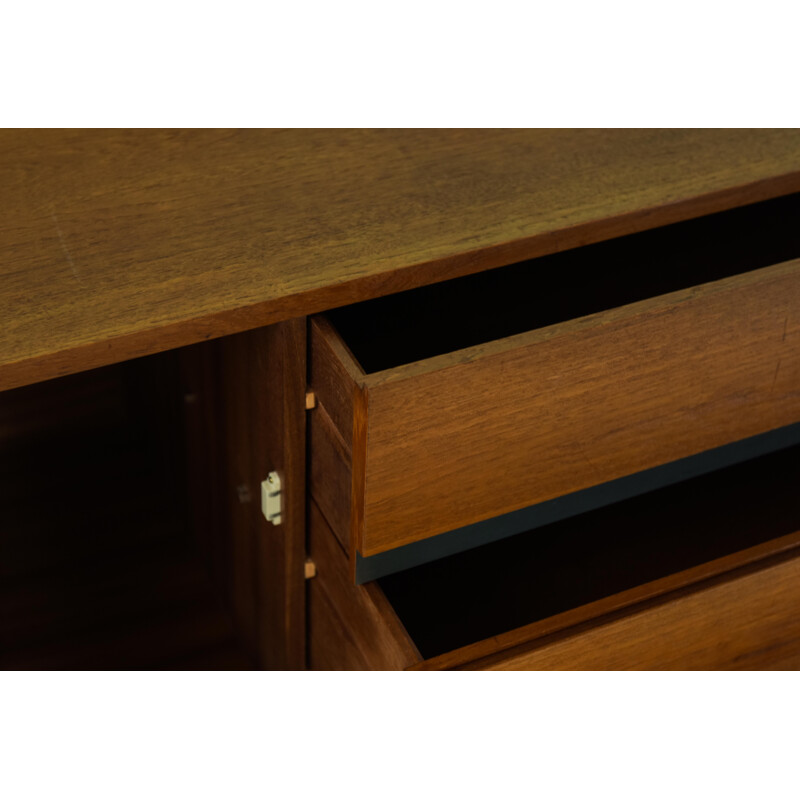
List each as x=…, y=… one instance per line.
x=492, y=589
x=448, y=316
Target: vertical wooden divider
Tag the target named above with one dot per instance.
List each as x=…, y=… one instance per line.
x=245, y=418
x=277, y=360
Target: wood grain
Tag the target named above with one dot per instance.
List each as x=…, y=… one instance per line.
x=333, y=373
x=637, y=599
x=350, y=627
x=330, y=473
x=497, y=427
x=747, y=622
x=115, y=244
x=277, y=420
x=259, y=427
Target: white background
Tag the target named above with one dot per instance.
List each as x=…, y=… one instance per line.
x=493, y=64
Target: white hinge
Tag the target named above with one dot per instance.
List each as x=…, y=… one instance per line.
x=272, y=498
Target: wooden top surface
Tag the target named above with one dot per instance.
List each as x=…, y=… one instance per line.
x=115, y=244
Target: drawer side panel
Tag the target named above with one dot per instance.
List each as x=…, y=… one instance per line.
x=330, y=473
x=350, y=627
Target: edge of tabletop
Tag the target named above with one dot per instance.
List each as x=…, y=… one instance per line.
x=43, y=366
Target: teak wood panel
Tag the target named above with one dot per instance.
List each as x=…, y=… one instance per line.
x=333, y=376
x=350, y=627
x=452, y=440
x=277, y=439
x=119, y=243
x=635, y=600
x=330, y=473
x=246, y=417
x=746, y=622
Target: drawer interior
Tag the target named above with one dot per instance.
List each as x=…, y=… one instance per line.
x=493, y=589
x=421, y=323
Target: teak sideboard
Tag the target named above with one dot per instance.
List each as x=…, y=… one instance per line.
x=350, y=399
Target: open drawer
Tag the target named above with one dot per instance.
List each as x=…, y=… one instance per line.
x=704, y=574
x=457, y=403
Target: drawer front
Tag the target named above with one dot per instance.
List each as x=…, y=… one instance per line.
x=456, y=439
x=736, y=612
x=748, y=622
